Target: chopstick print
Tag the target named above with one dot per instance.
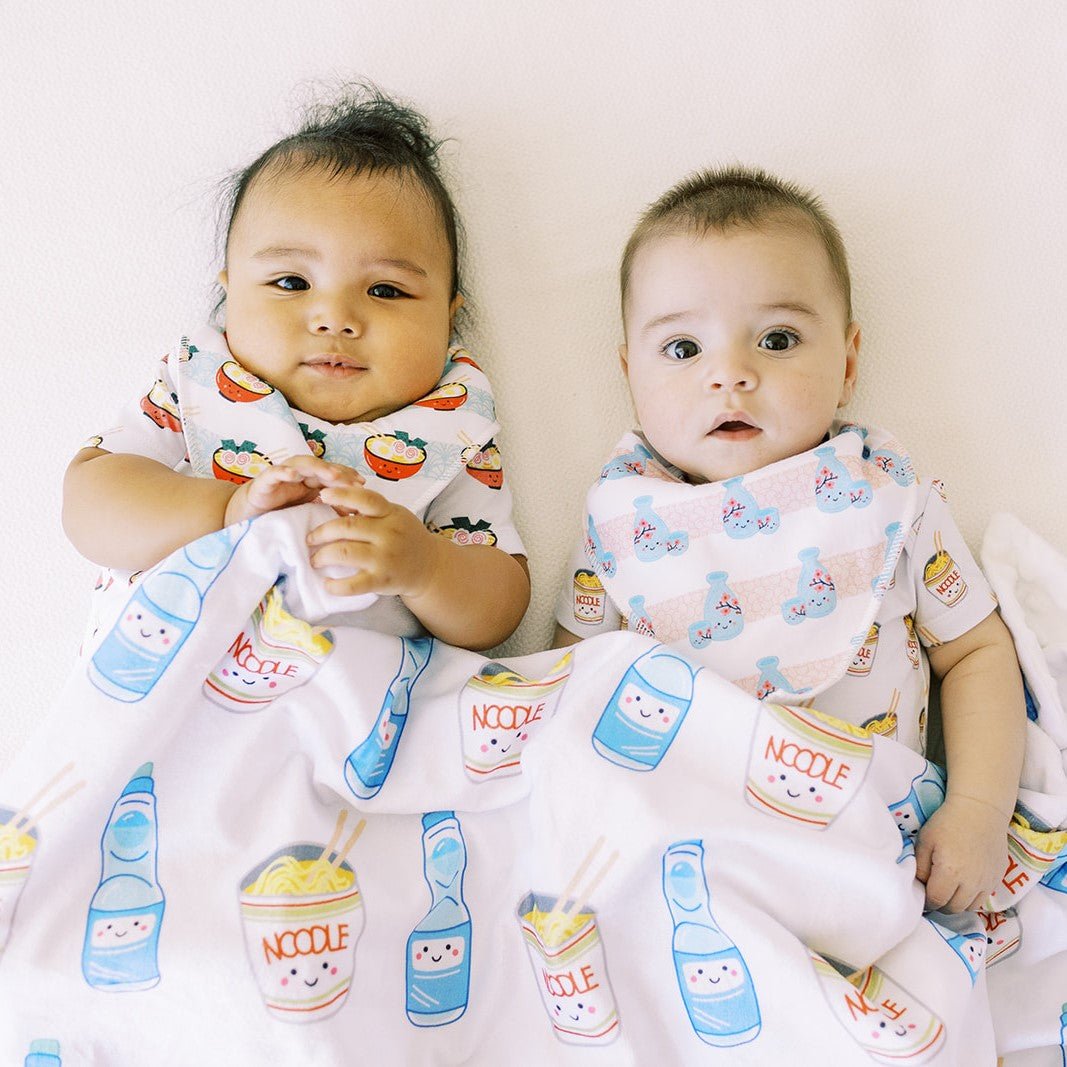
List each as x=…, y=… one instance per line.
x=19, y=841
x=566, y=952
x=302, y=915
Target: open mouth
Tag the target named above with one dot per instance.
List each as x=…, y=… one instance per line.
x=734, y=426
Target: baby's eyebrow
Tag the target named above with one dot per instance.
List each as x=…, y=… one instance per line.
x=280, y=252
x=790, y=305
x=663, y=320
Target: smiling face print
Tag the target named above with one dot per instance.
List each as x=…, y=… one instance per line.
x=715, y=977
x=148, y=631
x=113, y=931
x=648, y=710
x=308, y=975
x=438, y=953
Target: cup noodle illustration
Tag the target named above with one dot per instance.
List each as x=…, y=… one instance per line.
x=570, y=969
x=942, y=576
x=1031, y=854
x=301, y=921
x=273, y=654
x=889, y=1024
x=804, y=765
x=589, y=597
x=17, y=852
x=500, y=710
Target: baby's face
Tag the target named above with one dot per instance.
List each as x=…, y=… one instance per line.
x=737, y=352
x=338, y=291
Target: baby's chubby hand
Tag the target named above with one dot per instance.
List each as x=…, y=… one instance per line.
x=299, y=480
x=386, y=546
x=961, y=853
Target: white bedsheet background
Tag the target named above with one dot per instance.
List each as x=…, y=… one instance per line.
x=933, y=132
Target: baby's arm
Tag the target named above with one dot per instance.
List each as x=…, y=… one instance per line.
x=473, y=596
x=564, y=638
x=128, y=511
x=961, y=849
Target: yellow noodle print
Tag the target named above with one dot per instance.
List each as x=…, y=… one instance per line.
x=1050, y=842
x=588, y=580
x=289, y=877
x=505, y=678
x=14, y=844
x=554, y=927
x=284, y=628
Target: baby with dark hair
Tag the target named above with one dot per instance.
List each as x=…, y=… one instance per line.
x=797, y=555
x=334, y=379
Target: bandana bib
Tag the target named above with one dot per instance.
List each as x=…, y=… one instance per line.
x=773, y=578
x=236, y=425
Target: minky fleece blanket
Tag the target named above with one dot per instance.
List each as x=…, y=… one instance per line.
x=253, y=832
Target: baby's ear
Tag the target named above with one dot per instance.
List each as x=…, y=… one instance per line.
x=623, y=358
x=853, y=336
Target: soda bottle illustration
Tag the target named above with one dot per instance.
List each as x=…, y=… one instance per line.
x=653, y=538
x=835, y=488
x=816, y=593
x=160, y=615
x=126, y=911
x=771, y=680
x=926, y=795
x=638, y=621
x=368, y=765
x=438, y=963
x=645, y=711
x=713, y=978
x=741, y=515
x=627, y=464
x=1063, y=1034
x=723, y=616
x=44, y=1052
x=602, y=561
x=886, y=578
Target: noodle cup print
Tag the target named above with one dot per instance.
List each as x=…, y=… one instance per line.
x=805, y=766
x=886, y=1021
x=17, y=852
x=1030, y=855
x=302, y=945
x=571, y=972
x=272, y=655
x=499, y=713
x=589, y=597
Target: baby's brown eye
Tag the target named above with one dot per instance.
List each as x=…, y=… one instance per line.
x=681, y=349
x=779, y=340
x=291, y=283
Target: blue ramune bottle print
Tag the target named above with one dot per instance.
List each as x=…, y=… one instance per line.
x=126, y=912
x=645, y=711
x=713, y=978
x=741, y=515
x=1063, y=1035
x=816, y=593
x=723, y=615
x=653, y=538
x=835, y=488
x=368, y=765
x=44, y=1052
x=438, y=964
x=639, y=621
x=160, y=615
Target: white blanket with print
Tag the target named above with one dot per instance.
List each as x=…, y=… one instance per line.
x=182, y=879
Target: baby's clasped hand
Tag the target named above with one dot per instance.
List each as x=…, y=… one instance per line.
x=299, y=480
x=961, y=853
x=386, y=546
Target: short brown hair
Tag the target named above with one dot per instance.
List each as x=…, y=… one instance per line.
x=736, y=196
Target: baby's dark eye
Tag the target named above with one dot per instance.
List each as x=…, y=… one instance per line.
x=681, y=349
x=291, y=283
x=385, y=291
x=779, y=340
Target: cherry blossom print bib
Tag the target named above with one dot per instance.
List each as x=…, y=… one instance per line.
x=773, y=578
